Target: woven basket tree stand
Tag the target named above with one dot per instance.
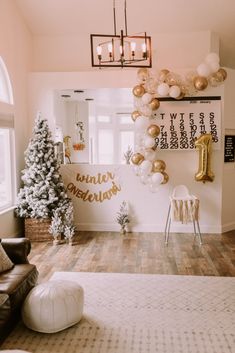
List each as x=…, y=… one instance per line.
x=37, y=229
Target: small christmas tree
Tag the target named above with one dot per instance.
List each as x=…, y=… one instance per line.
x=123, y=216
x=43, y=194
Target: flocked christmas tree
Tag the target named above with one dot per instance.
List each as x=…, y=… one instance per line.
x=43, y=194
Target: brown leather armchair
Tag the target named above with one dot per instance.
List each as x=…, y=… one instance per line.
x=15, y=283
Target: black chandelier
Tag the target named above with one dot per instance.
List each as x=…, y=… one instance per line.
x=122, y=50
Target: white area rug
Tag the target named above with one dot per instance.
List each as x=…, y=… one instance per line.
x=134, y=313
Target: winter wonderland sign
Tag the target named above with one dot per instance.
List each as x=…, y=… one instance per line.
x=90, y=188
x=181, y=122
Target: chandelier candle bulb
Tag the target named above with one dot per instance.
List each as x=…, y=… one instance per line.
x=110, y=49
x=133, y=47
x=99, y=51
x=144, y=50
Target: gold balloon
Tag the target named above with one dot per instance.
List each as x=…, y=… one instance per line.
x=200, y=83
x=158, y=166
x=135, y=114
x=138, y=91
x=166, y=178
x=151, y=85
x=162, y=75
x=223, y=73
x=215, y=79
x=153, y=130
x=172, y=79
x=137, y=158
x=143, y=74
x=154, y=104
x=204, y=145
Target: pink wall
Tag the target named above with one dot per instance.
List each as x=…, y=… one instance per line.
x=16, y=51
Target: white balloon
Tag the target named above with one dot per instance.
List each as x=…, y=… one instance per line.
x=139, y=136
x=146, y=98
x=163, y=89
x=174, y=92
x=212, y=57
x=145, y=167
x=157, y=178
x=148, y=142
x=136, y=169
x=146, y=110
x=151, y=85
x=144, y=179
x=137, y=102
x=150, y=154
x=141, y=123
x=204, y=70
x=153, y=188
x=214, y=66
x=139, y=149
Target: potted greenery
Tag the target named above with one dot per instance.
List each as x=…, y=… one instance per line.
x=123, y=217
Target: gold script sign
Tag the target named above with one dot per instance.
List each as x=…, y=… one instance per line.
x=90, y=196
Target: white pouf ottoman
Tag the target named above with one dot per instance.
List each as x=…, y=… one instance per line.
x=53, y=306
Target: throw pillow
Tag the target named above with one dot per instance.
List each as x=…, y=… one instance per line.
x=5, y=262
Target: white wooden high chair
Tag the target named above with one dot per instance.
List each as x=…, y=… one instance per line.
x=183, y=208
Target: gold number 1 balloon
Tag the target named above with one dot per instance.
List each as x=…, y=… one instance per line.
x=204, y=145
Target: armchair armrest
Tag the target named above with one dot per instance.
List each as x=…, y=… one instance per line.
x=17, y=249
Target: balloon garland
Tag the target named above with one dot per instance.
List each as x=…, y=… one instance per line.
x=166, y=84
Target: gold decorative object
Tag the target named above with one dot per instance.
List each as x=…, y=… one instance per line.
x=137, y=158
x=169, y=84
x=215, y=79
x=153, y=130
x=166, y=178
x=158, y=166
x=154, y=104
x=135, y=114
x=138, y=91
x=172, y=79
x=143, y=74
x=204, y=145
x=78, y=187
x=67, y=152
x=162, y=75
x=200, y=83
x=223, y=73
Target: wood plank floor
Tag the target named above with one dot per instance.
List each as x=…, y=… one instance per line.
x=138, y=253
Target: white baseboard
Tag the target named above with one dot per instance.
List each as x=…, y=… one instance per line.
x=148, y=228
x=228, y=226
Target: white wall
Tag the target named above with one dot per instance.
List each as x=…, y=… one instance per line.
x=170, y=50
x=15, y=49
x=181, y=166
x=228, y=197
x=148, y=211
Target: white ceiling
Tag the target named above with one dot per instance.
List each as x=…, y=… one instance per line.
x=105, y=97
x=65, y=17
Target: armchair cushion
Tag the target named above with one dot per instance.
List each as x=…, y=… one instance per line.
x=17, y=249
x=15, y=283
x=5, y=261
